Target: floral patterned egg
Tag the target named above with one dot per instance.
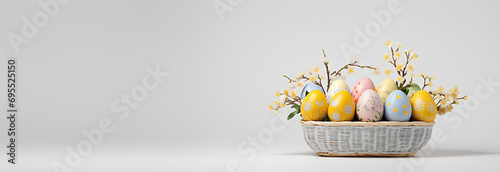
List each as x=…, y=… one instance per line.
x=397, y=107
x=335, y=87
x=314, y=107
x=362, y=85
x=369, y=107
x=341, y=107
x=385, y=88
x=309, y=88
x=424, y=107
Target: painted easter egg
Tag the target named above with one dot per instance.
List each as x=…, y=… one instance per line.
x=314, y=107
x=309, y=88
x=369, y=107
x=362, y=85
x=397, y=107
x=341, y=107
x=385, y=88
x=424, y=107
x=412, y=87
x=335, y=87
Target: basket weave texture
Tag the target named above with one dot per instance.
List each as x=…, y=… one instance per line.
x=366, y=138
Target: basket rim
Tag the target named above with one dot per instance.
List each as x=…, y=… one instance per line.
x=358, y=123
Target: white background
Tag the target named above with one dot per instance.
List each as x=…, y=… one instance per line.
x=224, y=71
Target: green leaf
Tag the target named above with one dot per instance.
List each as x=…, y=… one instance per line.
x=296, y=107
x=327, y=119
x=361, y=119
x=292, y=115
x=297, y=111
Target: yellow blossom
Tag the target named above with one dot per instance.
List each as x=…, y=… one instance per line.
x=276, y=113
x=400, y=78
x=278, y=94
x=430, y=84
x=275, y=103
x=386, y=56
x=388, y=43
x=399, y=66
x=313, y=78
x=412, y=75
x=350, y=70
x=466, y=97
x=411, y=68
x=376, y=71
x=398, y=54
x=293, y=93
x=285, y=91
x=440, y=89
x=270, y=107
x=388, y=72
x=414, y=56
x=315, y=69
x=421, y=74
x=399, y=45
x=299, y=84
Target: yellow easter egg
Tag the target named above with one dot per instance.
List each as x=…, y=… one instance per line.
x=385, y=88
x=341, y=107
x=314, y=107
x=424, y=107
x=335, y=87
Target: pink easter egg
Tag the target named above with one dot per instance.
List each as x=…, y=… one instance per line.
x=369, y=107
x=362, y=85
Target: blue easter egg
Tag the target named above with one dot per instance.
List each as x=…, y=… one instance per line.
x=397, y=107
x=309, y=88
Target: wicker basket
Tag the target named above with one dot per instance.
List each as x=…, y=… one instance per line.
x=366, y=138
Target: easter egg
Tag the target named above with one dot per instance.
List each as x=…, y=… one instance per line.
x=397, y=107
x=424, y=107
x=314, y=107
x=369, y=107
x=412, y=87
x=341, y=107
x=335, y=87
x=362, y=85
x=309, y=88
x=385, y=88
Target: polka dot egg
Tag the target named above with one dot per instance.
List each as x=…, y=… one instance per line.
x=397, y=107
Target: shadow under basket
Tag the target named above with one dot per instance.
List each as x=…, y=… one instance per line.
x=385, y=138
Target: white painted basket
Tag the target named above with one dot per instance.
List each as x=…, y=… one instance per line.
x=384, y=138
